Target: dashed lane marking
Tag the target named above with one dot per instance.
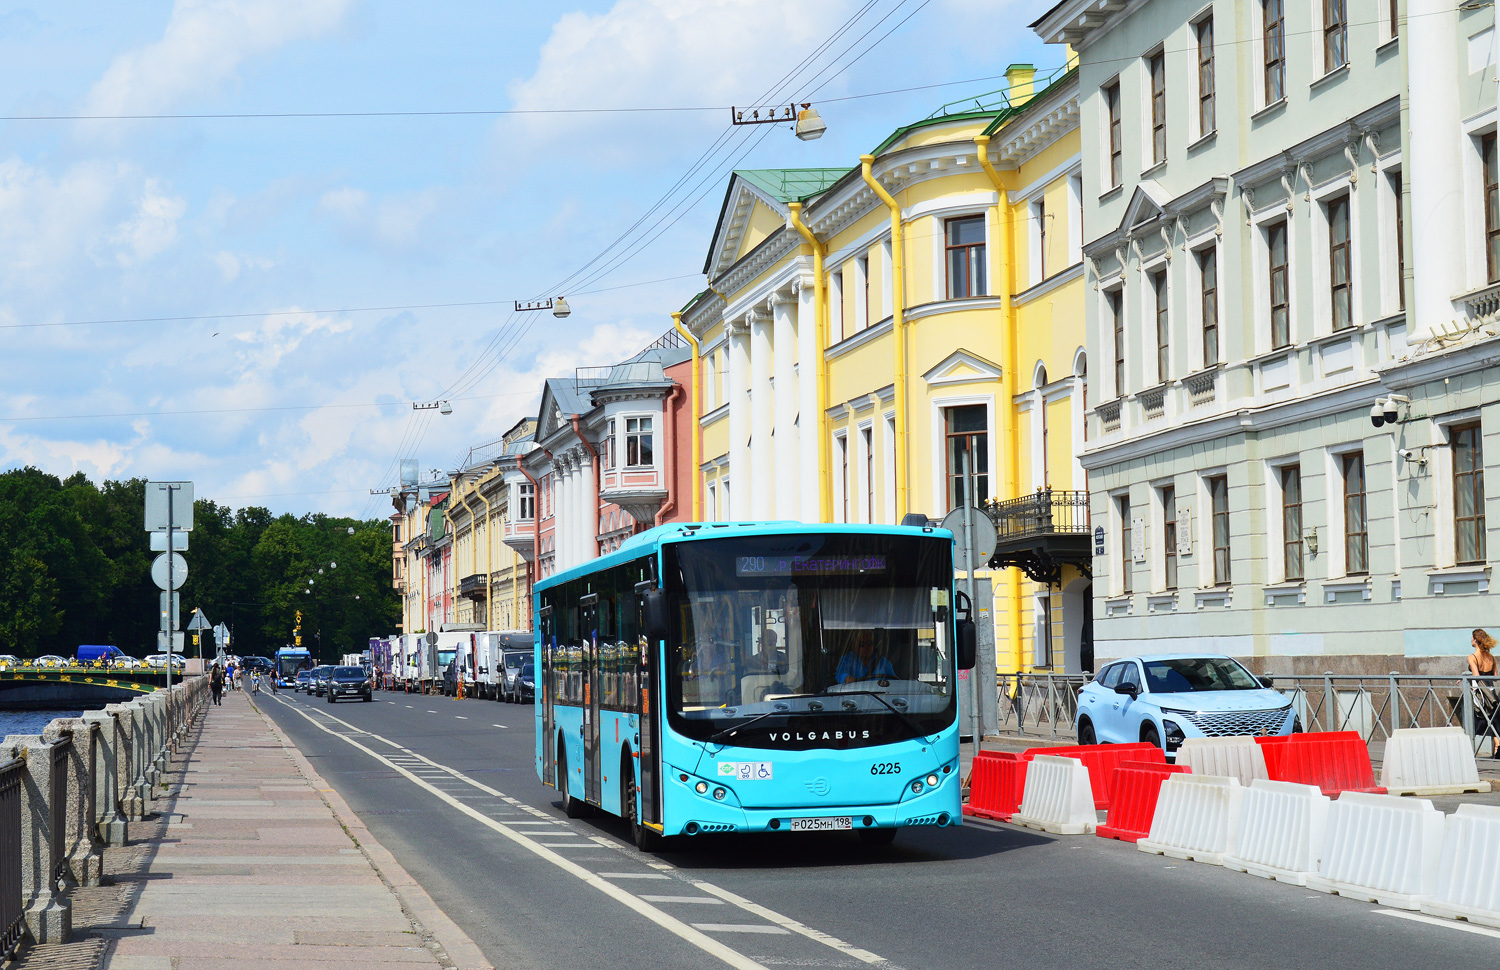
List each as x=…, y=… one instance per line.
x=632, y=875
x=707, y=900
x=740, y=928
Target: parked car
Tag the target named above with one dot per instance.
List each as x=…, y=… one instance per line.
x=49, y=660
x=510, y=669
x=159, y=660
x=318, y=682
x=526, y=684
x=100, y=655
x=303, y=681
x=1166, y=699
x=349, y=682
x=9, y=660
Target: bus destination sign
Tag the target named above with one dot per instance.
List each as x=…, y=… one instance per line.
x=747, y=566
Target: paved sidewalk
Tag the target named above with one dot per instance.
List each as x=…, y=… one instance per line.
x=253, y=862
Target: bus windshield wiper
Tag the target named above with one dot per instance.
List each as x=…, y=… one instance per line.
x=888, y=706
x=731, y=731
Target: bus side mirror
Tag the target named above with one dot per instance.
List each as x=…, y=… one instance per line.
x=968, y=643
x=654, y=615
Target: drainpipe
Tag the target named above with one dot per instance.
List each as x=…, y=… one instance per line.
x=535, y=572
x=670, y=505
x=820, y=326
x=594, y=455
x=898, y=326
x=697, y=412
x=1007, y=430
x=489, y=576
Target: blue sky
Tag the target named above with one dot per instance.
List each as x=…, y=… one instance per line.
x=285, y=225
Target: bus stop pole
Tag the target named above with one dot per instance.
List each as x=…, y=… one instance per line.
x=973, y=590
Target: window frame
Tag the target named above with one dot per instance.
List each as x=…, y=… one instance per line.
x=1114, y=135
x=1471, y=480
x=1156, y=74
x=1208, y=303
x=1170, y=567
x=975, y=258
x=1356, y=540
x=1204, y=47
x=1291, y=533
x=1114, y=300
x=635, y=438
x=1489, y=176
x=1284, y=269
x=978, y=444
x=1127, y=545
x=1217, y=489
x=1162, y=315
x=1335, y=32
x=1273, y=50
x=1336, y=213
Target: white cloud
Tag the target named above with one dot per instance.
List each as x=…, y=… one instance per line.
x=204, y=43
x=151, y=229
x=395, y=222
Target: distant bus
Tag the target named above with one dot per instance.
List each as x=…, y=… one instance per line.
x=289, y=660
x=765, y=678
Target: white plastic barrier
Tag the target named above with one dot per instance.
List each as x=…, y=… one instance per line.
x=1057, y=797
x=1239, y=758
x=1197, y=818
x=1381, y=848
x=1430, y=761
x=1282, y=827
x=1468, y=880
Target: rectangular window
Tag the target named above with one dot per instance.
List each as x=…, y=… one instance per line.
x=608, y=451
x=1339, y=262
x=1039, y=213
x=1273, y=38
x=967, y=432
x=1116, y=150
x=1117, y=319
x=1218, y=500
x=965, y=245
x=864, y=275
x=1356, y=529
x=1291, y=523
x=1468, y=494
x=1205, y=30
x=1156, y=64
x=1400, y=242
x=1281, y=334
x=1335, y=35
x=1491, y=165
x=1127, y=551
x=1041, y=653
x=638, y=450
x=1208, y=278
x=526, y=501
x=867, y=435
x=1163, y=327
x=1169, y=536
x=843, y=443
x=710, y=502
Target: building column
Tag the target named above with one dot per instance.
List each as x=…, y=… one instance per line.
x=562, y=555
x=807, y=403
x=589, y=537
x=1434, y=172
x=784, y=341
x=739, y=418
x=762, y=410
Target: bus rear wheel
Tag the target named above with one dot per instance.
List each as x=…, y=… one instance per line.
x=644, y=838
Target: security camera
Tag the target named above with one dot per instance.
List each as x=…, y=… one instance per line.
x=1377, y=415
x=1405, y=453
x=1390, y=412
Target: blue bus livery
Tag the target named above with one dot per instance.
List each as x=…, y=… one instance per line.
x=755, y=677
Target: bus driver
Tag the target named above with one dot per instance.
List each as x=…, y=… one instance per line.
x=861, y=662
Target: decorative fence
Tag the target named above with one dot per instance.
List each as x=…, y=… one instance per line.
x=61, y=751
x=12, y=917
x=1046, y=705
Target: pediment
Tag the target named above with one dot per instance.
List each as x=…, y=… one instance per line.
x=549, y=415
x=747, y=217
x=1147, y=204
x=962, y=367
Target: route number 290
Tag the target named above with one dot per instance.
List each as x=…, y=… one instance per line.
x=885, y=768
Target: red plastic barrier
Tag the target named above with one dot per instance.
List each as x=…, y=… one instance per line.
x=1135, y=786
x=1102, y=759
x=996, y=783
x=1335, y=761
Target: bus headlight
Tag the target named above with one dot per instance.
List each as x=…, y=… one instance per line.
x=932, y=781
x=701, y=788
x=719, y=794
x=916, y=787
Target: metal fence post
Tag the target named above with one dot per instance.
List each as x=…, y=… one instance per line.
x=1395, y=706
x=1467, y=700
x=1330, y=702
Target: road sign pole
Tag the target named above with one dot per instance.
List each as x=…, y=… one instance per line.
x=973, y=589
x=171, y=566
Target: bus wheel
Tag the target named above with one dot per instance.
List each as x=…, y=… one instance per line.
x=644, y=839
x=572, y=807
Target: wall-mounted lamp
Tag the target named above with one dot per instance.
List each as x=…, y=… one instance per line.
x=1310, y=539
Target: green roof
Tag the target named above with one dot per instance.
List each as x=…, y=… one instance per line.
x=792, y=184
x=994, y=105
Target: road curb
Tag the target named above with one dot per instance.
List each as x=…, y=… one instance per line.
x=462, y=953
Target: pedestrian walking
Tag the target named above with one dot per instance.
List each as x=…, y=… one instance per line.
x=229, y=675
x=216, y=684
x=1486, y=697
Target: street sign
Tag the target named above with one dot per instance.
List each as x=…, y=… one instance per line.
x=176, y=564
x=431, y=638
x=984, y=537
x=179, y=541
x=199, y=622
x=1098, y=540
x=158, y=495
x=171, y=607
x=161, y=642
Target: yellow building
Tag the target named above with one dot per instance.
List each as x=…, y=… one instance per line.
x=492, y=584
x=869, y=330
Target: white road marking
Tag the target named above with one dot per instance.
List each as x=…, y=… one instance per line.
x=691, y=934
x=683, y=899
x=632, y=875
x=791, y=925
x=460, y=717
x=1451, y=924
x=740, y=928
x=566, y=845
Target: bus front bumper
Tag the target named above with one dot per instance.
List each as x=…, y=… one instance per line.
x=703, y=814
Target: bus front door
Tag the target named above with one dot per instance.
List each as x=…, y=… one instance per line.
x=650, y=728
x=544, y=682
x=589, y=629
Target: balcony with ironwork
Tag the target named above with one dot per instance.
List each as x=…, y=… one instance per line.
x=1041, y=533
x=475, y=587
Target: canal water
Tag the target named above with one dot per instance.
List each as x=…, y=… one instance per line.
x=31, y=722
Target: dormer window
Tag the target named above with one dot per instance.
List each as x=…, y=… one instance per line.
x=638, y=448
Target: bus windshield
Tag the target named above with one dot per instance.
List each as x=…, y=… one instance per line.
x=797, y=625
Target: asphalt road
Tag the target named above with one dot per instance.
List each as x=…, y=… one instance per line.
x=449, y=788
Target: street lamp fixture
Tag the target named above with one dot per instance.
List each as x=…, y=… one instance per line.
x=558, y=306
x=809, y=125
x=441, y=407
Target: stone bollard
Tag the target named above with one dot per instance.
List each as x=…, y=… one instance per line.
x=49, y=916
x=156, y=722
x=81, y=844
x=108, y=821
x=135, y=791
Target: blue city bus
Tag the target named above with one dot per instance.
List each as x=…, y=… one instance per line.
x=769, y=677
x=289, y=660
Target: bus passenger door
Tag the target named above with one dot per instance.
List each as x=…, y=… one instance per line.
x=650, y=728
x=589, y=632
x=545, y=681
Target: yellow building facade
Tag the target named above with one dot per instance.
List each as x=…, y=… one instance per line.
x=872, y=335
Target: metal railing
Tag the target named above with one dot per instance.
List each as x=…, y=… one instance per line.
x=62, y=750
x=1047, y=511
x=1375, y=706
x=12, y=917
